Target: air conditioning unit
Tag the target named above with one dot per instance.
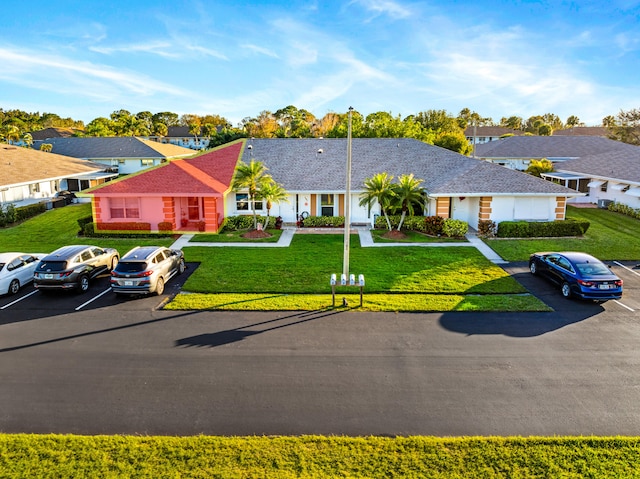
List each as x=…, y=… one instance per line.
x=604, y=204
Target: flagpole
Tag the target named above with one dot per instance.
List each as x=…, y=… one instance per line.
x=347, y=203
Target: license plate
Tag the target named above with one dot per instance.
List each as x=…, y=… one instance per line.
x=604, y=286
x=128, y=283
x=48, y=276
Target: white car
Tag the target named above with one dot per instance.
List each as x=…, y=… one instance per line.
x=16, y=270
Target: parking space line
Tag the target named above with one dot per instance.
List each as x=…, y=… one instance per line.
x=623, y=305
x=93, y=299
x=627, y=268
x=19, y=299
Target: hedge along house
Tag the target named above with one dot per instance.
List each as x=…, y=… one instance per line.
x=185, y=195
x=313, y=172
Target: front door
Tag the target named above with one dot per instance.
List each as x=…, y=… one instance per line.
x=193, y=208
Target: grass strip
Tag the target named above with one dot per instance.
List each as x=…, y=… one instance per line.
x=135, y=457
x=414, y=237
x=236, y=237
x=371, y=302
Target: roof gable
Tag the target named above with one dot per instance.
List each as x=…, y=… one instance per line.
x=115, y=147
x=206, y=174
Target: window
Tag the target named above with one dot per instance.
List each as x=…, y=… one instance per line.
x=242, y=202
x=146, y=162
x=193, y=208
x=86, y=255
x=124, y=208
x=326, y=205
x=603, y=187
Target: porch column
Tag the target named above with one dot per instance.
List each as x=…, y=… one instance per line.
x=340, y=205
x=561, y=207
x=97, y=207
x=443, y=207
x=169, y=210
x=484, y=213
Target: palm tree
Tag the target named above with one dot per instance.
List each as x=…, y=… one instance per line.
x=378, y=189
x=251, y=177
x=271, y=192
x=408, y=193
x=27, y=139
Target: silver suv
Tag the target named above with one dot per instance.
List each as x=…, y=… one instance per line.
x=72, y=267
x=146, y=269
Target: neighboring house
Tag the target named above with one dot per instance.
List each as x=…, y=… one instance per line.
x=179, y=135
x=30, y=176
x=583, y=131
x=181, y=195
x=53, y=132
x=124, y=154
x=605, y=177
x=313, y=172
x=516, y=152
x=477, y=135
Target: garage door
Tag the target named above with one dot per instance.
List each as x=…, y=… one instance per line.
x=531, y=209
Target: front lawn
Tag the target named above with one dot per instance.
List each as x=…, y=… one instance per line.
x=610, y=236
x=236, y=237
x=59, y=227
x=414, y=237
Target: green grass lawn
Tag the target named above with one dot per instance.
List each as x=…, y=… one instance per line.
x=236, y=237
x=414, y=237
x=135, y=457
x=611, y=236
x=58, y=227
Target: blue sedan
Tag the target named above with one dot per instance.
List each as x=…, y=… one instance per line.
x=577, y=274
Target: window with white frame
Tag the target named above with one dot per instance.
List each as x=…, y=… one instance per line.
x=146, y=162
x=122, y=208
x=242, y=202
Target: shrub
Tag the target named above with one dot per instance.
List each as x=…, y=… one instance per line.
x=624, y=209
x=487, y=228
x=165, y=226
x=89, y=229
x=29, y=211
x=324, y=221
x=82, y=222
x=542, y=229
x=240, y=222
x=124, y=226
x=455, y=228
x=433, y=225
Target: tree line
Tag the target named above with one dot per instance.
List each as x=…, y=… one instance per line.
x=437, y=127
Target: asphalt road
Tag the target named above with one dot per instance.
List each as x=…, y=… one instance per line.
x=98, y=364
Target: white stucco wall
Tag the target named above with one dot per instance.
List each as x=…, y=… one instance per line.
x=533, y=208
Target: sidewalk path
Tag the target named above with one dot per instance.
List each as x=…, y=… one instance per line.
x=366, y=241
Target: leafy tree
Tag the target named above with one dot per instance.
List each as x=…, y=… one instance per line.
x=27, y=139
x=378, y=188
x=251, y=177
x=262, y=126
x=609, y=121
x=455, y=142
x=293, y=123
x=438, y=121
x=323, y=126
x=225, y=136
x=271, y=192
x=100, y=126
x=536, y=167
x=159, y=129
x=545, y=130
x=513, y=122
x=407, y=195
x=573, y=121
x=167, y=117
x=467, y=118
x=626, y=127
x=10, y=133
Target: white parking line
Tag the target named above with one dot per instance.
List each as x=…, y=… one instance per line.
x=627, y=268
x=623, y=305
x=93, y=299
x=19, y=299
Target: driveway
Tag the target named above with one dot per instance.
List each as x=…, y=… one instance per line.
x=126, y=367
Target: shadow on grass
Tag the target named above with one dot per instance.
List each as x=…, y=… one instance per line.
x=229, y=336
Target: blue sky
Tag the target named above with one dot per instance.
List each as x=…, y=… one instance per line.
x=88, y=58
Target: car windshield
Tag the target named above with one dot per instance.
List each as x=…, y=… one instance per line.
x=593, y=269
x=131, y=266
x=53, y=266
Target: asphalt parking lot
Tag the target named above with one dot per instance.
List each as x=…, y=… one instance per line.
x=97, y=364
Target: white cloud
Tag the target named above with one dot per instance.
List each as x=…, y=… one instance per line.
x=393, y=9
x=260, y=50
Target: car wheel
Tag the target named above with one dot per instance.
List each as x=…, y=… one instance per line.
x=566, y=290
x=114, y=263
x=181, y=267
x=533, y=267
x=160, y=286
x=83, y=284
x=14, y=287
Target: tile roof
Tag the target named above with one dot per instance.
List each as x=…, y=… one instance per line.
x=114, y=147
x=23, y=165
x=298, y=165
x=547, y=147
x=206, y=174
x=622, y=165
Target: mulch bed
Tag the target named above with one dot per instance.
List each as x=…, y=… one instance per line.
x=257, y=234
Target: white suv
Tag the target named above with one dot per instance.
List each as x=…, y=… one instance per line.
x=146, y=269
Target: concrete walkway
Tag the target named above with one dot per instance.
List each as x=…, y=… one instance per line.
x=366, y=241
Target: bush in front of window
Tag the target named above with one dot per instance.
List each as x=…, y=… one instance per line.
x=324, y=222
x=455, y=228
x=240, y=222
x=542, y=229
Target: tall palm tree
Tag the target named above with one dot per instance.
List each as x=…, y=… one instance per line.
x=251, y=177
x=378, y=189
x=271, y=192
x=408, y=194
